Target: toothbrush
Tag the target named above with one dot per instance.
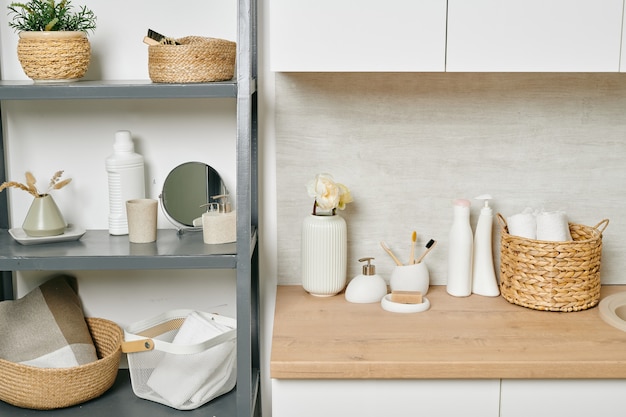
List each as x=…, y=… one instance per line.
x=396, y=260
x=412, y=255
x=429, y=246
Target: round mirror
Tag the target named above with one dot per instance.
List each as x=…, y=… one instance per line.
x=187, y=189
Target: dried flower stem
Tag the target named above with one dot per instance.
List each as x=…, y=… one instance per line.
x=31, y=188
x=17, y=185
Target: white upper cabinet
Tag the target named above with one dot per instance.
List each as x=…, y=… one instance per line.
x=534, y=35
x=365, y=35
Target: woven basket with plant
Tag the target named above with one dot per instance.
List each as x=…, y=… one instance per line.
x=53, y=41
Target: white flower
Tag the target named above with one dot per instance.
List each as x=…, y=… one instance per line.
x=328, y=194
x=344, y=197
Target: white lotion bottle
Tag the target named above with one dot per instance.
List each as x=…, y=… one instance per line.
x=483, y=274
x=125, y=170
x=460, y=251
x=367, y=287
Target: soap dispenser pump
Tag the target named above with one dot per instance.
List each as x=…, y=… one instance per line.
x=367, y=287
x=483, y=275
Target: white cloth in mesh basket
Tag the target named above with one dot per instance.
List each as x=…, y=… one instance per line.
x=182, y=358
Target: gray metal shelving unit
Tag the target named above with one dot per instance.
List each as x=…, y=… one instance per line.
x=98, y=250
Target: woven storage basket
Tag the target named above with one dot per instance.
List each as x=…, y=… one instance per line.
x=46, y=57
x=552, y=276
x=49, y=388
x=195, y=60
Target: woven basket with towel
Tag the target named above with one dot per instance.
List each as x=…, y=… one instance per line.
x=552, y=275
x=50, y=355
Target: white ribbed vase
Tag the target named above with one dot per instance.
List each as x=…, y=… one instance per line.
x=324, y=254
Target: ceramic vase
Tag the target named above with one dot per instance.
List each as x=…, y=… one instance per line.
x=44, y=218
x=324, y=254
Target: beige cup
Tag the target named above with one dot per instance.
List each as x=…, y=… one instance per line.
x=142, y=220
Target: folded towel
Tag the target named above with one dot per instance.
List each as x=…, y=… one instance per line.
x=185, y=380
x=523, y=224
x=46, y=328
x=553, y=226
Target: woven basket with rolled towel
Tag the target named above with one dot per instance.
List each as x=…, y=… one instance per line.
x=552, y=276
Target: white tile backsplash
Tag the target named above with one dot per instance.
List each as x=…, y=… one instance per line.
x=408, y=144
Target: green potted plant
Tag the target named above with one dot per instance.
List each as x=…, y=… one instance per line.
x=53, y=44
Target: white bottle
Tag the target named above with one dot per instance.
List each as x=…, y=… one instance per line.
x=460, y=251
x=125, y=170
x=367, y=287
x=483, y=276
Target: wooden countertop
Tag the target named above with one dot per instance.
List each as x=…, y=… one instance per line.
x=473, y=337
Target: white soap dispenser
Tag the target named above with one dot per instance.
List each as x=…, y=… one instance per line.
x=219, y=224
x=367, y=287
x=483, y=275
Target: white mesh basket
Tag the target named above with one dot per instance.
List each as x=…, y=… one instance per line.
x=182, y=358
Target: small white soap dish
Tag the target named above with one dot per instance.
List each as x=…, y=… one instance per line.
x=394, y=307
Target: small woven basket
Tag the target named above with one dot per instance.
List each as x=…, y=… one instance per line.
x=50, y=58
x=48, y=388
x=195, y=60
x=552, y=276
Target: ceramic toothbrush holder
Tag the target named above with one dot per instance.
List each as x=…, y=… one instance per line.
x=410, y=278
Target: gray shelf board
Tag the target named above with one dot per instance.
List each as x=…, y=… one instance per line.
x=120, y=401
x=140, y=89
x=97, y=250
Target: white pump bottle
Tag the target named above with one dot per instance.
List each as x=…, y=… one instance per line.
x=483, y=275
x=460, y=251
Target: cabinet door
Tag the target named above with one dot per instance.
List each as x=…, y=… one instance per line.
x=622, y=66
x=534, y=35
x=571, y=398
x=388, y=398
x=366, y=35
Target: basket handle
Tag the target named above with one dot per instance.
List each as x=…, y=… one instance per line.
x=602, y=225
x=502, y=221
x=140, y=345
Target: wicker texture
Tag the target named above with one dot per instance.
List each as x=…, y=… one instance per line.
x=552, y=276
x=196, y=59
x=49, y=388
x=54, y=59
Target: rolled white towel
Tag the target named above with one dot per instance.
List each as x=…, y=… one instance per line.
x=553, y=226
x=523, y=224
